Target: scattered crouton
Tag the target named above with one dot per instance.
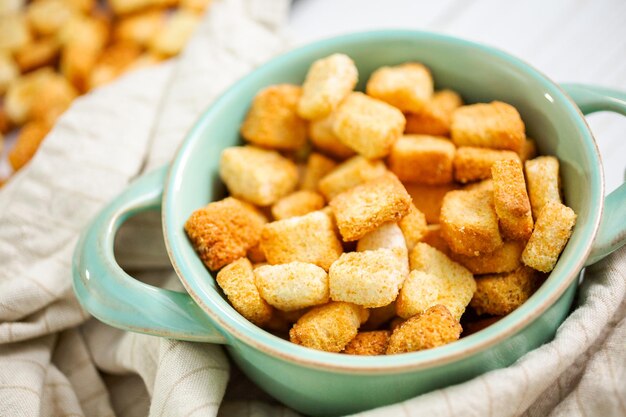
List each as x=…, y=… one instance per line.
x=27, y=143
x=14, y=32
x=413, y=226
x=223, y=231
x=435, y=327
x=511, y=200
x=173, y=37
x=237, y=282
x=435, y=116
x=37, y=54
x=317, y=167
x=297, y=204
x=367, y=125
x=139, y=28
x=329, y=327
x=349, y=174
x=506, y=258
x=407, y=87
x=474, y=164
x=502, y=293
x=544, y=182
x=428, y=198
x=423, y=159
x=552, y=231
x=368, y=343
x=113, y=62
x=9, y=72
x=324, y=139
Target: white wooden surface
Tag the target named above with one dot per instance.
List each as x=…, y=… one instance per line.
x=568, y=40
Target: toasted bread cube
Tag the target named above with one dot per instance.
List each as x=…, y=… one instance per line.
x=196, y=6
x=496, y=125
x=435, y=327
x=324, y=139
x=407, y=87
x=379, y=316
x=292, y=286
x=46, y=17
x=422, y=159
x=387, y=236
x=413, y=226
x=237, y=282
x=139, y=28
x=367, y=125
x=9, y=72
x=368, y=206
x=329, y=327
x=511, y=200
x=317, y=167
x=506, y=258
x=55, y=95
x=552, y=231
x=368, y=343
x=428, y=198
x=171, y=39
x=37, y=54
x=328, y=81
x=433, y=238
x=24, y=93
x=297, y=204
x=435, y=116
x=112, y=63
x=272, y=121
x=502, y=293
x=309, y=238
x=353, y=172
x=469, y=224
x=474, y=164
x=223, y=231
x=544, y=182
x=14, y=32
x=529, y=151
x=28, y=140
x=257, y=175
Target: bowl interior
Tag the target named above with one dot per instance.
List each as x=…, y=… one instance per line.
x=479, y=74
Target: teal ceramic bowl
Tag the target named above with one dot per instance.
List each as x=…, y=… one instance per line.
x=322, y=383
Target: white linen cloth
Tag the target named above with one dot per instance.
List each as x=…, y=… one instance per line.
x=56, y=361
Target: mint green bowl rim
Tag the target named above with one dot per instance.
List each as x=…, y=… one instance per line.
x=230, y=322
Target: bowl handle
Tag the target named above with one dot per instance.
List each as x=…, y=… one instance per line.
x=612, y=232
x=116, y=298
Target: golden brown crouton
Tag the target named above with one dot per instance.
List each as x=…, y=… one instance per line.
x=428, y=198
x=371, y=278
x=257, y=175
x=367, y=206
x=317, y=167
x=296, y=204
x=495, y=125
x=112, y=63
x=292, y=286
x=552, y=231
x=511, y=200
x=121, y=7
x=544, y=182
x=433, y=238
x=223, y=231
x=529, y=151
x=27, y=143
x=272, y=121
x=502, y=293
x=435, y=116
x=309, y=238
x=139, y=28
x=422, y=159
x=14, y=32
x=37, y=54
x=474, y=164
x=324, y=139
x=329, y=327
x=379, y=316
x=328, y=81
x=171, y=39
x=46, y=17
x=468, y=222
x=196, y=6
x=435, y=327
x=237, y=282
x=367, y=125
x=506, y=258
x=406, y=86
x=9, y=72
x=368, y=343
x=387, y=236
x=413, y=226
x=349, y=174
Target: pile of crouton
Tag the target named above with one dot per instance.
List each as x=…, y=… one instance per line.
x=367, y=223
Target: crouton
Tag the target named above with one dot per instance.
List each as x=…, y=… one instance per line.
x=502, y=293
x=435, y=327
x=223, y=231
x=368, y=343
x=367, y=125
x=552, y=231
x=256, y=175
x=474, y=164
x=317, y=167
x=46, y=17
x=511, y=200
x=529, y=151
x=296, y=204
x=387, y=236
x=433, y=238
x=435, y=116
x=55, y=95
x=413, y=226
x=329, y=327
x=349, y=174
x=292, y=286
x=468, y=222
x=495, y=125
x=272, y=121
x=121, y=7
x=37, y=54
x=544, y=182
x=324, y=139
x=370, y=279
x=28, y=140
x=367, y=206
x=171, y=39
x=237, y=282
x=112, y=63
x=506, y=258
x=14, y=32
x=9, y=72
x=379, y=316
x=328, y=81
x=139, y=28
x=196, y=6
x=428, y=198
x=422, y=159
x=407, y=86
x=309, y=238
